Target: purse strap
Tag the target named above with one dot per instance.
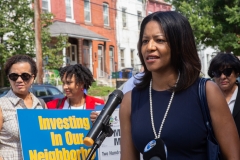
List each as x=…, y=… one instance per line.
x=59, y=103
x=204, y=107
x=42, y=103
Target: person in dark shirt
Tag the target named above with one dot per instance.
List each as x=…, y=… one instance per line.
x=165, y=104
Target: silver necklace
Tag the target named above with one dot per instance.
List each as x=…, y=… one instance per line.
x=165, y=115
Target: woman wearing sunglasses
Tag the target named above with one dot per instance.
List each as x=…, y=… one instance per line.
x=224, y=69
x=21, y=71
x=75, y=78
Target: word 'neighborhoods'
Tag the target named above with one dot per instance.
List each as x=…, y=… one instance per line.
x=63, y=154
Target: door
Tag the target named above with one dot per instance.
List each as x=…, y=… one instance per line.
x=86, y=54
x=72, y=54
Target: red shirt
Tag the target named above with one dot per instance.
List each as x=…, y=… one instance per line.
x=90, y=102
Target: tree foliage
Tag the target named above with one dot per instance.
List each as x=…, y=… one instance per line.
x=52, y=54
x=215, y=23
x=17, y=34
x=16, y=30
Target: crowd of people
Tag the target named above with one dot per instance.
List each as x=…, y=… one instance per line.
x=162, y=102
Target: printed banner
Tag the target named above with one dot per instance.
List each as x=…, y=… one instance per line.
x=54, y=134
x=110, y=148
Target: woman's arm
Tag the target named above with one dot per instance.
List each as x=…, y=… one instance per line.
x=128, y=151
x=223, y=124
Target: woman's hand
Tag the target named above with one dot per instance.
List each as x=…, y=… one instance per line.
x=93, y=116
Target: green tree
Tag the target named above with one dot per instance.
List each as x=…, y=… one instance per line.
x=17, y=34
x=16, y=30
x=52, y=49
x=215, y=23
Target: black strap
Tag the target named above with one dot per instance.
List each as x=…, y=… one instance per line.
x=42, y=102
x=213, y=146
x=204, y=107
x=59, y=102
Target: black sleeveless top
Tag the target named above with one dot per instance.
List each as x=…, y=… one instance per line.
x=184, y=131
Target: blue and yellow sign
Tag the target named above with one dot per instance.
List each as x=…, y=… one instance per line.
x=54, y=134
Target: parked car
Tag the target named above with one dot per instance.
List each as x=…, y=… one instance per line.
x=4, y=91
x=45, y=91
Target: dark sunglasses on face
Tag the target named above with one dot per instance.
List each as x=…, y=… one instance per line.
x=227, y=72
x=24, y=76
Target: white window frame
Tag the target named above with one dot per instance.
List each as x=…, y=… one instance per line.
x=124, y=14
x=48, y=9
x=100, y=61
x=138, y=18
x=132, y=57
x=106, y=14
x=122, y=54
x=69, y=19
x=111, y=58
x=87, y=10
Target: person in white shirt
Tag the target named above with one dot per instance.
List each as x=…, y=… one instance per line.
x=224, y=69
x=130, y=84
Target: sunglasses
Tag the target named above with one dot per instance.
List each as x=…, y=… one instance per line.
x=24, y=76
x=227, y=72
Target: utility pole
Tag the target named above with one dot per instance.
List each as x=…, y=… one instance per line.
x=37, y=20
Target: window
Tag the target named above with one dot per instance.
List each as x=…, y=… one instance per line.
x=100, y=61
x=53, y=91
x=87, y=11
x=69, y=9
x=122, y=57
x=46, y=5
x=124, y=20
x=111, y=57
x=139, y=14
x=132, y=57
x=40, y=91
x=105, y=14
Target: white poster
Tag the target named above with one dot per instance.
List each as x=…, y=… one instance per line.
x=110, y=148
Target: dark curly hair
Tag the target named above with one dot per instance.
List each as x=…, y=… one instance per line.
x=82, y=74
x=21, y=58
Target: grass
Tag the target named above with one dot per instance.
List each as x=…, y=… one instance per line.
x=100, y=90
